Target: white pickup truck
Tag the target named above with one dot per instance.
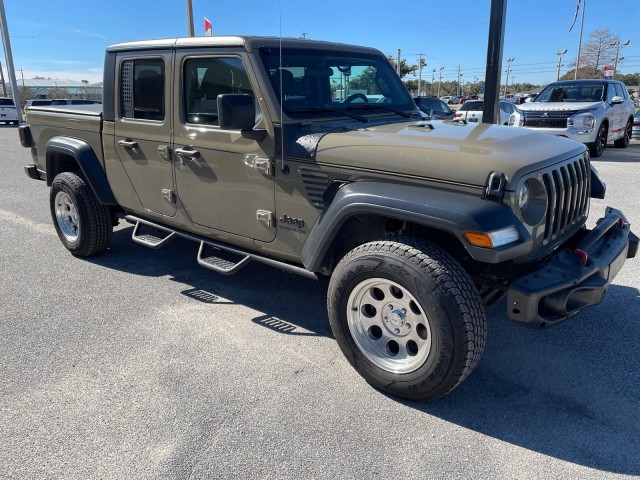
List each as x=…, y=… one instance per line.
x=593, y=112
x=8, y=113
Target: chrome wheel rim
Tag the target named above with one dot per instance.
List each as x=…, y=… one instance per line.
x=389, y=326
x=67, y=216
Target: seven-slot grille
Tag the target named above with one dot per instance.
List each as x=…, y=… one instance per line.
x=553, y=119
x=568, y=188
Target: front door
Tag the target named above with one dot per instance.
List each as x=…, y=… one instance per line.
x=143, y=128
x=224, y=180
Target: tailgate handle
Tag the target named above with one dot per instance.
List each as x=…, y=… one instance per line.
x=128, y=144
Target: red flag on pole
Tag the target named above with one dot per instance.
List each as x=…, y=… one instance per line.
x=207, y=27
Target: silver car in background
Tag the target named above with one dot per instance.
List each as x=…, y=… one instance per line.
x=593, y=112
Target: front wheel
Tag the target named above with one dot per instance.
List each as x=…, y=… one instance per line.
x=83, y=224
x=597, y=148
x=407, y=317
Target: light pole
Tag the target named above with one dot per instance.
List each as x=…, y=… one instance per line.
x=509, y=60
x=560, y=53
x=440, y=81
x=475, y=84
x=460, y=87
x=433, y=80
x=616, y=43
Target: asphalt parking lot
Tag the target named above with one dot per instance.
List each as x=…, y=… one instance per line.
x=141, y=364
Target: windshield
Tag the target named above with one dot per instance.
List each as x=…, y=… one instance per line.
x=6, y=102
x=473, y=106
x=572, y=92
x=317, y=83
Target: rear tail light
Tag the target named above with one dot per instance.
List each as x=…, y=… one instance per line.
x=24, y=132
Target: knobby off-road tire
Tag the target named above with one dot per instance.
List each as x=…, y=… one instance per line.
x=624, y=141
x=83, y=224
x=407, y=317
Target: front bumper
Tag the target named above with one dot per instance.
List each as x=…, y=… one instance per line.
x=582, y=135
x=575, y=278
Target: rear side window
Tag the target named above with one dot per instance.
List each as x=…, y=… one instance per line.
x=6, y=102
x=142, y=89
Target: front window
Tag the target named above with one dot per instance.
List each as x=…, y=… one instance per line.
x=207, y=77
x=317, y=83
x=572, y=92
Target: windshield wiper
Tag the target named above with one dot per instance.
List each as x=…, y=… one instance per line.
x=360, y=118
x=370, y=106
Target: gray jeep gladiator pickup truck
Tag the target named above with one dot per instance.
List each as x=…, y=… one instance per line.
x=311, y=157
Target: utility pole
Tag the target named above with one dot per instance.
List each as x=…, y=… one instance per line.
x=419, y=73
x=458, y=86
x=560, y=53
x=584, y=8
x=616, y=43
x=433, y=80
x=4, y=85
x=190, y=18
x=506, y=82
x=8, y=55
x=398, y=64
x=440, y=81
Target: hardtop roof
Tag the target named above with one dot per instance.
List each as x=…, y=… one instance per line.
x=247, y=42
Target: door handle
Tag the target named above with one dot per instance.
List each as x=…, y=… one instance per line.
x=128, y=144
x=188, y=152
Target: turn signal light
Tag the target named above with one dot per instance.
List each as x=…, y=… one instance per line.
x=478, y=239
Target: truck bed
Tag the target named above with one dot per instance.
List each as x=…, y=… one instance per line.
x=76, y=121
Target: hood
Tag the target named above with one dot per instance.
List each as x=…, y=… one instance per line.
x=462, y=154
x=558, y=106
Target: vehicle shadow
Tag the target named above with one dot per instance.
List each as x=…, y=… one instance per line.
x=255, y=286
x=569, y=392
x=620, y=155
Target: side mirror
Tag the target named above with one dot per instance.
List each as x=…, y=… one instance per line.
x=236, y=112
x=617, y=100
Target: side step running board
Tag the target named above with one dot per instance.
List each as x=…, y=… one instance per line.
x=214, y=261
x=219, y=264
x=149, y=239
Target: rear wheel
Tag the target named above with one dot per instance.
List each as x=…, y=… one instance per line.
x=628, y=131
x=83, y=224
x=597, y=148
x=407, y=317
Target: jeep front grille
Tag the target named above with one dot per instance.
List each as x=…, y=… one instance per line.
x=568, y=188
x=552, y=119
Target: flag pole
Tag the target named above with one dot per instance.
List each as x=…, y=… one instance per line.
x=584, y=7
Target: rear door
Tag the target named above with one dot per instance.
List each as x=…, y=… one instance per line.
x=143, y=127
x=224, y=180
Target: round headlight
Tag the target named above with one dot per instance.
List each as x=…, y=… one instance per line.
x=522, y=196
x=531, y=199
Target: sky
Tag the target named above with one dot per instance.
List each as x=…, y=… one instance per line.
x=66, y=39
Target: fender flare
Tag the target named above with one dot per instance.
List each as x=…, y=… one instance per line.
x=86, y=158
x=453, y=212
